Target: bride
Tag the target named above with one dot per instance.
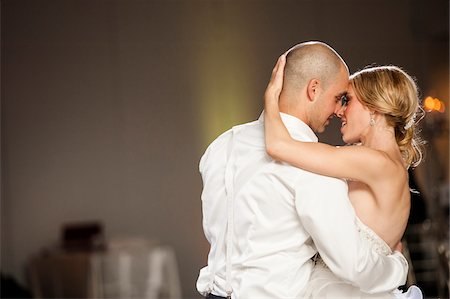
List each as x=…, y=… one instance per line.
x=378, y=116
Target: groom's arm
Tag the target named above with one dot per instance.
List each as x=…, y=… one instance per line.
x=327, y=214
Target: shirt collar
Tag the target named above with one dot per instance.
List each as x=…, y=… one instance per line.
x=295, y=126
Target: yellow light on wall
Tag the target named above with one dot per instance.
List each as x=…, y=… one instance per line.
x=433, y=104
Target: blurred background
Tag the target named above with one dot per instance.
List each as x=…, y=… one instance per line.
x=108, y=105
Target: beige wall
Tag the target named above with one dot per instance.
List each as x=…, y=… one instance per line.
x=107, y=106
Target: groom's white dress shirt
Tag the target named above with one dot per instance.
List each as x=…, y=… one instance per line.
x=281, y=216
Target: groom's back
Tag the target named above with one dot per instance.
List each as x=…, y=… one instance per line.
x=271, y=250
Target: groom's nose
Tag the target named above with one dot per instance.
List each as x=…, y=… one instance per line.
x=339, y=110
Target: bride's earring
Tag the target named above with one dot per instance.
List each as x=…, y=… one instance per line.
x=372, y=119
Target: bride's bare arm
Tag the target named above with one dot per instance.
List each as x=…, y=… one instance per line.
x=352, y=162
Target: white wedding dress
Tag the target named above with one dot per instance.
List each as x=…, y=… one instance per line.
x=324, y=284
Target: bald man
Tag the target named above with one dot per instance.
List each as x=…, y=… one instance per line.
x=265, y=220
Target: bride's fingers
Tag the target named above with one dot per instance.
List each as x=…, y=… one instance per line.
x=278, y=80
x=399, y=247
x=275, y=85
x=275, y=68
x=278, y=70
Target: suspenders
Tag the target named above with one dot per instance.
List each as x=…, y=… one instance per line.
x=226, y=236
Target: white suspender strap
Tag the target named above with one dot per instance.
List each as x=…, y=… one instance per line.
x=229, y=187
x=228, y=228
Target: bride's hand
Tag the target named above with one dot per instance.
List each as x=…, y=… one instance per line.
x=399, y=247
x=273, y=90
x=275, y=131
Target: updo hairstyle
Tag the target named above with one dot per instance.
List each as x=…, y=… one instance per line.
x=391, y=91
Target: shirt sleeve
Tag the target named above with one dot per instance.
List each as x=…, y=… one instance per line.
x=327, y=214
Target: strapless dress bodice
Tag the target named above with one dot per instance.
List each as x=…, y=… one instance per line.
x=379, y=245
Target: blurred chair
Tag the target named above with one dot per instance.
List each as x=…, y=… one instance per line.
x=128, y=268
x=60, y=275
x=136, y=268
x=83, y=236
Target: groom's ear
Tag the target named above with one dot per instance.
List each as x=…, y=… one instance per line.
x=312, y=89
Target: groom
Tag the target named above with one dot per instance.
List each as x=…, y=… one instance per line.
x=266, y=220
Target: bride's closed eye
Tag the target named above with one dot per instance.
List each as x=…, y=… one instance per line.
x=344, y=99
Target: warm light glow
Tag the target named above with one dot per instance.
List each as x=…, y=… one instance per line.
x=433, y=104
x=437, y=105
x=222, y=79
x=442, y=109
x=428, y=103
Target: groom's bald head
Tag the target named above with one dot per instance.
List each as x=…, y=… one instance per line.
x=311, y=60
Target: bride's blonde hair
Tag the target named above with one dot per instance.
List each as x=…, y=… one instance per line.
x=391, y=91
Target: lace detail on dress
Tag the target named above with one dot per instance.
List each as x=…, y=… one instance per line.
x=378, y=244
x=370, y=236
x=324, y=284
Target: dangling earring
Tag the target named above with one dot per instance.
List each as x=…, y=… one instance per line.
x=372, y=120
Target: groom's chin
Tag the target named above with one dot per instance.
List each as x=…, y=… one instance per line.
x=321, y=129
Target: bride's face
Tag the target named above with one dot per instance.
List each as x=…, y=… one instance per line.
x=355, y=119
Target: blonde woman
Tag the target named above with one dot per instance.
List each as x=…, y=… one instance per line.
x=379, y=115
